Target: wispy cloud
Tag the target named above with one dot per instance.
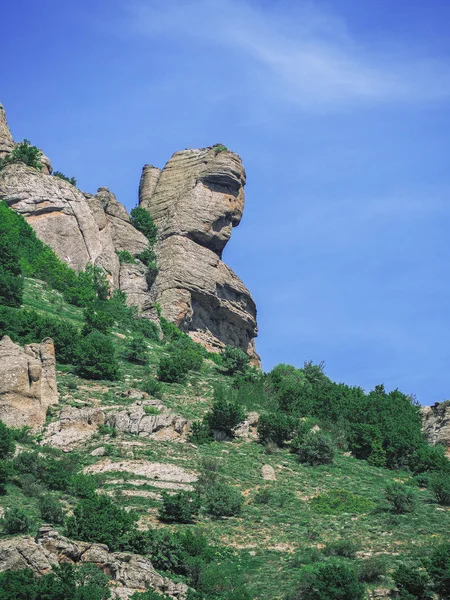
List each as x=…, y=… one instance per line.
x=298, y=52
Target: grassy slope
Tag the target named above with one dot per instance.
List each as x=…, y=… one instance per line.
x=265, y=538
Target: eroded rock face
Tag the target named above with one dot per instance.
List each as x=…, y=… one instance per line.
x=129, y=573
x=436, y=423
x=6, y=139
x=195, y=201
x=27, y=382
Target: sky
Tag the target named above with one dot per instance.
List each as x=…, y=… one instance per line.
x=341, y=114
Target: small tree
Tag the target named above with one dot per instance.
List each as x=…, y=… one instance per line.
x=137, y=350
x=143, y=221
x=60, y=175
x=439, y=570
x=330, y=581
x=15, y=521
x=50, y=510
x=234, y=360
x=401, y=498
x=23, y=152
x=316, y=449
x=179, y=508
x=225, y=415
x=413, y=580
x=7, y=444
x=96, y=357
x=275, y=427
x=222, y=500
x=172, y=369
x=439, y=483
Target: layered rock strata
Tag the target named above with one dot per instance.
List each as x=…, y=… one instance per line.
x=436, y=423
x=195, y=201
x=129, y=573
x=27, y=383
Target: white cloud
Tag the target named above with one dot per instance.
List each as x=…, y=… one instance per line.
x=301, y=54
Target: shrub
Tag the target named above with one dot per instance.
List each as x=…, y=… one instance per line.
x=222, y=500
x=151, y=273
x=275, y=427
x=151, y=410
x=188, y=353
x=170, y=330
x=428, y=459
x=224, y=416
x=234, y=360
x=200, y=433
x=23, y=152
x=148, y=595
x=147, y=328
x=344, y=548
x=179, y=508
x=152, y=387
x=372, y=569
x=30, y=486
x=361, y=439
x=172, y=369
x=7, y=444
x=95, y=319
x=142, y=220
x=330, y=581
x=15, y=521
x=439, y=569
x=316, y=449
x=440, y=485
x=308, y=556
x=96, y=357
x=4, y=477
x=11, y=281
x=125, y=257
x=50, y=510
x=60, y=175
x=137, y=350
x=98, y=519
x=336, y=502
x=401, y=497
x=147, y=256
x=218, y=148
x=413, y=580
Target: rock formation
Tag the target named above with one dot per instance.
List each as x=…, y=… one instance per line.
x=195, y=201
x=27, y=382
x=129, y=573
x=436, y=423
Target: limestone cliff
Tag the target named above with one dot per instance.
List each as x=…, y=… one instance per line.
x=436, y=423
x=195, y=201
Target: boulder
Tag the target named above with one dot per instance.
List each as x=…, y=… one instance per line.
x=268, y=473
x=436, y=423
x=27, y=383
x=195, y=201
x=129, y=573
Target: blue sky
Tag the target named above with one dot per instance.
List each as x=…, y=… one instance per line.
x=341, y=114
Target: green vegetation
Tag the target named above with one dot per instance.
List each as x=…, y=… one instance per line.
x=25, y=153
x=125, y=257
x=60, y=175
x=234, y=360
x=218, y=148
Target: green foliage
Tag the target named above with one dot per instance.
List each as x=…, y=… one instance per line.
x=11, y=281
x=60, y=175
x=98, y=519
x=234, y=360
x=200, y=433
x=275, y=427
x=222, y=500
x=137, y=350
x=401, y=497
x=152, y=387
x=7, y=444
x=142, y=220
x=23, y=152
x=171, y=369
x=344, y=548
x=336, y=502
x=185, y=355
x=15, y=521
x=50, y=510
x=151, y=410
x=225, y=414
x=413, y=580
x=439, y=570
x=372, y=569
x=147, y=328
x=429, y=459
x=96, y=357
x=316, y=449
x=330, y=581
x=218, y=148
x=182, y=507
x=125, y=257
x=439, y=482
x=147, y=256
x=95, y=319
x=151, y=273
x=148, y=595
x=170, y=330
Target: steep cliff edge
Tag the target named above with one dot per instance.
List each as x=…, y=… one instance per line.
x=195, y=201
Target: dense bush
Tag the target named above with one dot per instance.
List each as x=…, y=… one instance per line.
x=222, y=500
x=7, y=443
x=96, y=319
x=23, y=152
x=429, y=459
x=330, y=581
x=171, y=369
x=125, y=257
x=182, y=507
x=234, y=360
x=413, y=580
x=142, y=220
x=96, y=357
x=152, y=387
x=345, y=548
x=336, y=502
x=225, y=414
x=439, y=483
x=50, y=510
x=60, y=175
x=185, y=355
x=170, y=330
x=316, y=449
x=372, y=569
x=275, y=427
x=98, y=519
x=200, y=433
x=439, y=569
x=401, y=497
x=137, y=350
x=15, y=521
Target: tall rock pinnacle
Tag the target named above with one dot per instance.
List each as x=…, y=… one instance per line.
x=6, y=139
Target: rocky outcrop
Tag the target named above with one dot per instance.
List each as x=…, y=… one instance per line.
x=436, y=423
x=27, y=383
x=195, y=201
x=6, y=139
x=129, y=573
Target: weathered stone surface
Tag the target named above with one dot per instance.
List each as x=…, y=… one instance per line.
x=436, y=423
x=128, y=572
x=196, y=201
x=268, y=473
x=6, y=139
x=161, y=472
x=27, y=382
x=74, y=427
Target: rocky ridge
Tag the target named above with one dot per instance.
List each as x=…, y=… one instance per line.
x=195, y=201
x=436, y=423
